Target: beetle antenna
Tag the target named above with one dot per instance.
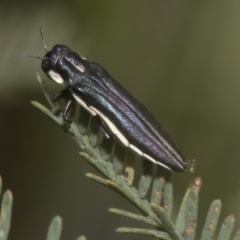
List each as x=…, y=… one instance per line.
x=43, y=39
x=28, y=55
x=34, y=56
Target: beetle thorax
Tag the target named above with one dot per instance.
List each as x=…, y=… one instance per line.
x=62, y=65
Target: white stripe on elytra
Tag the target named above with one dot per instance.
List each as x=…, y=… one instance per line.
x=156, y=162
x=135, y=149
x=125, y=141
x=55, y=77
x=93, y=111
x=113, y=128
x=84, y=105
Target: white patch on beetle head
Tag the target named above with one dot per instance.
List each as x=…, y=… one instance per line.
x=112, y=127
x=84, y=105
x=55, y=77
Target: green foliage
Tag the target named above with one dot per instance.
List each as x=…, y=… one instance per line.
x=6, y=212
x=55, y=229
x=117, y=167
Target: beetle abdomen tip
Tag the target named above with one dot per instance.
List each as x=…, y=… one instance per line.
x=191, y=165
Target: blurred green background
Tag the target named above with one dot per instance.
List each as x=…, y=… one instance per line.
x=180, y=58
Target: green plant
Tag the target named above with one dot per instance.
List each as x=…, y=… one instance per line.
x=118, y=176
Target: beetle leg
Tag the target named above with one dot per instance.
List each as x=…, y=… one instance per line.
x=65, y=112
x=67, y=108
x=103, y=128
x=60, y=95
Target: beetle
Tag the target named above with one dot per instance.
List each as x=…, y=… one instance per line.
x=120, y=114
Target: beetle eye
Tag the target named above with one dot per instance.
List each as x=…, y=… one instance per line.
x=46, y=63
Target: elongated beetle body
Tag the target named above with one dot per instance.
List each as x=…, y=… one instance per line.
x=120, y=114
